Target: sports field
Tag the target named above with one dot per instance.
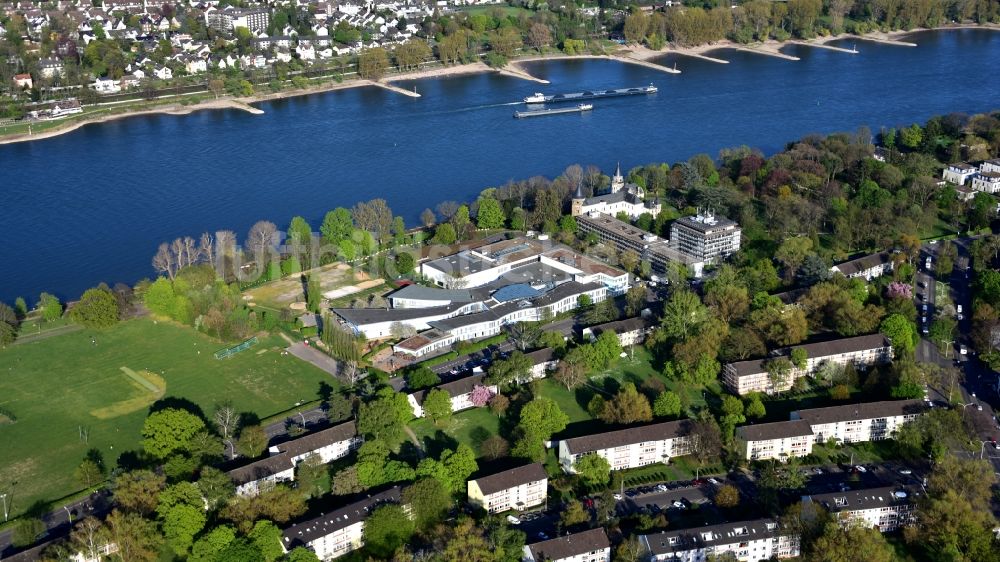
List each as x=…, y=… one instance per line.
x=85, y=389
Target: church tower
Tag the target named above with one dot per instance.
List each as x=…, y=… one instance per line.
x=617, y=182
x=576, y=207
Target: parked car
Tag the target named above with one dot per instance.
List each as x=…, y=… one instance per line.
x=714, y=482
x=861, y=469
x=661, y=487
x=678, y=505
x=618, y=497
x=513, y=520
x=906, y=472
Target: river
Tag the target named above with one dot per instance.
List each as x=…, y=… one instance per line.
x=93, y=205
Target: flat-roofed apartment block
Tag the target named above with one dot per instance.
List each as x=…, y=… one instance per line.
x=885, y=509
x=588, y=546
x=705, y=237
x=337, y=532
x=650, y=247
x=853, y=423
x=866, y=267
x=327, y=445
x=746, y=541
x=743, y=377
x=632, y=447
x=515, y=489
x=630, y=331
x=776, y=440
x=460, y=391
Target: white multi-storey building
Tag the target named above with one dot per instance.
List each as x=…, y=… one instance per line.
x=777, y=440
x=884, y=509
x=988, y=182
x=746, y=541
x=630, y=331
x=958, y=173
x=588, y=546
x=649, y=247
x=743, y=377
x=338, y=532
x=327, y=445
x=705, y=237
x=514, y=489
x=460, y=391
x=632, y=447
x=853, y=423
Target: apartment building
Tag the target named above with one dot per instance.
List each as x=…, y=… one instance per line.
x=744, y=377
x=542, y=361
x=988, y=182
x=630, y=331
x=650, y=247
x=884, y=509
x=588, y=546
x=746, y=541
x=958, y=173
x=514, y=489
x=866, y=267
x=335, y=533
x=632, y=447
x=777, y=440
x=705, y=237
x=229, y=18
x=853, y=423
x=460, y=391
x=279, y=466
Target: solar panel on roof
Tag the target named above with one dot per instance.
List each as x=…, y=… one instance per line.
x=515, y=292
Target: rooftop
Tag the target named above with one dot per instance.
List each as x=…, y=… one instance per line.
x=858, y=265
x=667, y=542
x=510, y=478
x=319, y=439
x=856, y=500
x=420, y=292
x=864, y=411
x=629, y=436
x=570, y=545
x=816, y=350
x=706, y=223
x=454, y=388
x=774, y=430
x=333, y=521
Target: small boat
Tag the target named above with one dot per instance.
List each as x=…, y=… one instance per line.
x=537, y=97
x=586, y=106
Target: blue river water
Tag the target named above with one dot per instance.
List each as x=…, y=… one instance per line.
x=94, y=204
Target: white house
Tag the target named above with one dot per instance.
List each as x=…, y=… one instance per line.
x=777, y=440
x=337, y=532
x=866, y=267
x=990, y=166
x=542, y=361
x=852, y=423
x=630, y=331
x=884, y=509
x=50, y=68
x=460, y=391
x=632, y=447
x=621, y=197
x=106, y=86
x=744, y=377
x=746, y=541
x=958, y=173
x=588, y=546
x=163, y=72
x=988, y=182
x=515, y=489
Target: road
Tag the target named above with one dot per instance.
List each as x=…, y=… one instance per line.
x=58, y=522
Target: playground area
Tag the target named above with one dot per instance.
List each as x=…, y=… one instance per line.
x=339, y=282
x=70, y=393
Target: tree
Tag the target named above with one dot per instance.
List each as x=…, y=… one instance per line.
x=169, y=430
x=261, y=240
x=302, y=554
x=682, y=313
x=494, y=447
x=88, y=473
x=635, y=300
x=97, y=309
x=405, y=263
x=575, y=514
x=593, y=470
x=480, y=395
x=506, y=371
x=437, y=405
x=386, y=529
x=89, y=537
x=422, y=377
x=901, y=332
x=429, y=502
x=461, y=222
x=543, y=416
x=227, y=421
x=337, y=225
x=490, y=214
x=384, y=416
x=627, y=407
x=445, y=234
x=138, y=490
x=27, y=530
x=727, y=497
x=216, y=487
x=755, y=407
x=845, y=544
x=539, y=36
x=374, y=217
x=373, y=63
x=427, y=218
x=266, y=536
x=505, y=41
x=411, y=54
x=252, y=442
x=137, y=538
x=572, y=370
x=50, y=306
x=180, y=525
x=210, y=544
x=667, y=404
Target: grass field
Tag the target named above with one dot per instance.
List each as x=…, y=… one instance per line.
x=65, y=386
x=470, y=426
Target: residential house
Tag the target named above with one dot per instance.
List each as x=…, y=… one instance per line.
x=106, y=86
x=542, y=361
x=163, y=72
x=261, y=475
x=853, y=423
x=587, y=546
x=50, y=68
x=958, y=173
x=630, y=331
x=515, y=489
x=884, y=509
x=744, y=377
x=990, y=166
x=866, y=267
x=335, y=533
x=23, y=82
x=632, y=447
x=777, y=440
x=746, y=541
x=987, y=182
x=425, y=343
x=460, y=391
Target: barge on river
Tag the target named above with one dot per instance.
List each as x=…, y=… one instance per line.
x=542, y=112
x=590, y=94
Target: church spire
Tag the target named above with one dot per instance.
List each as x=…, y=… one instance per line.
x=617, y=182
x=579, y=191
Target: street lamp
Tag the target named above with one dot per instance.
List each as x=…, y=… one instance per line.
x=3, y=497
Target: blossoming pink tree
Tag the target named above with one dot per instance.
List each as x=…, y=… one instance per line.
x=481, y=395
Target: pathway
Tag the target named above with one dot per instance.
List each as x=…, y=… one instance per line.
x=885, y=40
x=766, y=51
x=312, y=355
x=416, y=442
x=39, y=336
x=396, y=89
x=825, y=46
x=693, y=54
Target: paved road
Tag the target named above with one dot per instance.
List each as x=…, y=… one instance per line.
x=58, y=522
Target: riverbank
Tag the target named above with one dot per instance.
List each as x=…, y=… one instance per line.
x=632, y=54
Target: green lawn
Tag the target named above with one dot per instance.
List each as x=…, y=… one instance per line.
x=470, y=426
x=65, y=385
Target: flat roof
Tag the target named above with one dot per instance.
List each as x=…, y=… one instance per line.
x=629, y=436
x=362, y=316
x=707, y=223
x=420, y=292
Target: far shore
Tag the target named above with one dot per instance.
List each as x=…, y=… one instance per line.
x=635, y=54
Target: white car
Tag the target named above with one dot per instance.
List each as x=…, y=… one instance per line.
x=906, y=472
x=661, y=487
x=861, y=469
x=962, y=349
x=713, y=482
x=513, y=520
x=678, y=505
x=619, y=497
